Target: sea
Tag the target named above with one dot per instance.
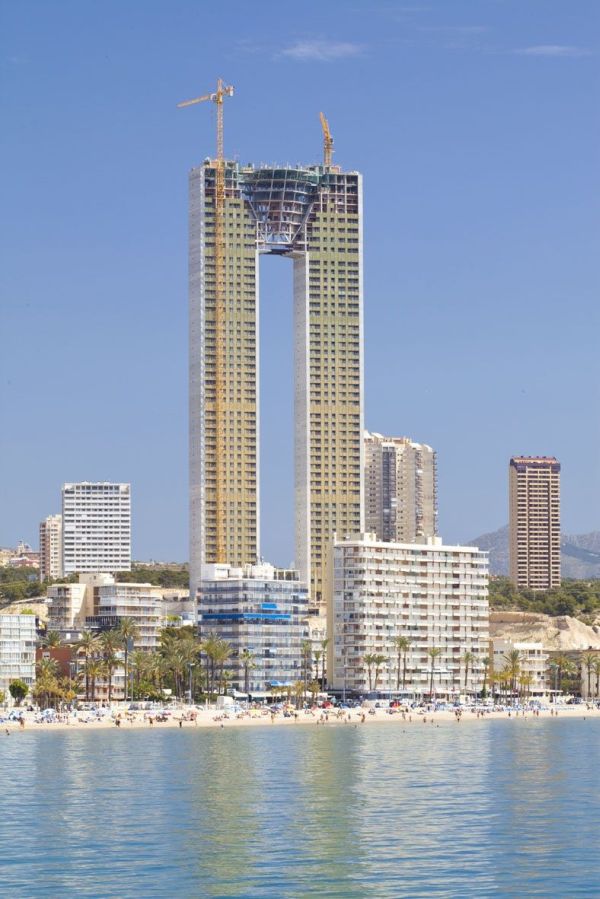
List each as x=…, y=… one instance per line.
x=477, y=809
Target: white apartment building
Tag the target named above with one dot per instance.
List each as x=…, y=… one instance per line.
x=141, y=602
x=17, y=650
x=98, y=602
x=532, y=679
x=96, y=527
x=70, y=604
x=400, y=488
x=434, y=595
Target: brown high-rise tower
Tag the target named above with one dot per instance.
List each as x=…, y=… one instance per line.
x=535, y=522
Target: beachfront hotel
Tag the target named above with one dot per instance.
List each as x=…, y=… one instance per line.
x=17, y=650
x=434, y=595
x=311, y=215
x=96, y=523
x=532, y=677
x=259, y=609
x=400, y=488
x=99, y=602
x=534, y=541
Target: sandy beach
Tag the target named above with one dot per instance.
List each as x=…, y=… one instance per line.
x=120, y=719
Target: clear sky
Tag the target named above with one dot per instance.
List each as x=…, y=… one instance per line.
x=475, y=124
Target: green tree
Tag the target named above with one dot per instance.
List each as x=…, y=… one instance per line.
x=88, y=643
x=18, y=689
x=468, y=659
x=434, y=653
x=128, y=631
x=401, y=645
x=486, y=667
x=512, y=659
x=52, y=640
x=324, y=645
x=369, y=661
x=110, y=642
x=587, y=662
x=307, y=662
x=248, y=664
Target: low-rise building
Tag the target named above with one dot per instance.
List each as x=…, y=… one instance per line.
x=260, y=609
x=17, y=650
x=530, y=680
x=70, y=604
x=140, y=602
x=433, y=596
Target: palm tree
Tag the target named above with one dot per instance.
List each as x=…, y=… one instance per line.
x=248, y=663
x=94, y=669
x=109, y=642
x=299, y=693
x=596, y=670
x=513, y=667
x=525, y=682
x=402, y=645
x=88, y=642
x=324, y=645
x=468, y=659
x=434, y=653
x=564, y=665
x=314, y=688
x=378, y=661
x=127, y=633
x=486, y=665
x=306, y=650
x=369, y=660
x=587, y=661
x=52, y=640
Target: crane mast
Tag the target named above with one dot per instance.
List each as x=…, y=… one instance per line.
x=327, y=141
x=217, y=97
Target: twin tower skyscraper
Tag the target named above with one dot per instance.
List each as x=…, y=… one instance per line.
x=313, y=216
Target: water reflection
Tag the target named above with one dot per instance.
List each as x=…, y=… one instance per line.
x=506, y=808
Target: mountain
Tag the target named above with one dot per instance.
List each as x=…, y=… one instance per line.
x=579, y=557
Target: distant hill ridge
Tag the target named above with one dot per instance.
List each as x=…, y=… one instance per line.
x=580, y=553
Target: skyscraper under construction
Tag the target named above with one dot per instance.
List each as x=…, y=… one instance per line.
x=312, y=215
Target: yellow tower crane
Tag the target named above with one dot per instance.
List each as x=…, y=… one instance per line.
x=223, y=90
x=327, y=141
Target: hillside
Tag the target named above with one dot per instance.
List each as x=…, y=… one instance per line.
x=580, y=553
x=561, y=633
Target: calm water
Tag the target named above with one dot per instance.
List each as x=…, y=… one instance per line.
x=488, y=809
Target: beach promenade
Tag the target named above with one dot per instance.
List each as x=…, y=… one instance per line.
x=194, y=717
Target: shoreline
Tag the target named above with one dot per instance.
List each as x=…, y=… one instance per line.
x=211, y=718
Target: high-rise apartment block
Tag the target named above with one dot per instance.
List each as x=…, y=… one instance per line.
x=313, y=216
x=51, y=547
x=400, y=488
x=435, y=596
x=535, y=522
x=17, y=650
x=96, y=521
x=261, y=610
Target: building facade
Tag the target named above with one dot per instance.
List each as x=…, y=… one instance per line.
x=433, y=595
x=531, y=681
x=96, y=520
x=51, y=547
x=313, y=216
x=534, y=541
x=260, y=609
x=142, y=603
x=400, y=489
x=17, y=650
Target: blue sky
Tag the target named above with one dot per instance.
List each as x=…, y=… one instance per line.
x=475, y=126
